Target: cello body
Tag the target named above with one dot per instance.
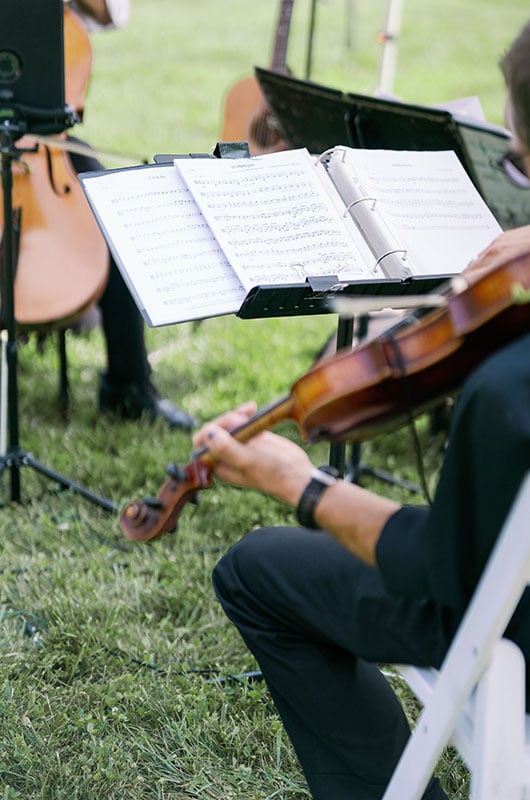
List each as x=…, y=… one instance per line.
x=62, y=262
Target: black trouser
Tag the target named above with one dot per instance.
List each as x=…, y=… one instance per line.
x=318, y=621
x=123, y=325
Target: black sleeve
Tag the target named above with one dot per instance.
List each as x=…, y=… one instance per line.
x=441, y=551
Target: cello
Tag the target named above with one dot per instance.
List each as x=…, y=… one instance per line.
x=62, y=258
x=247, y=116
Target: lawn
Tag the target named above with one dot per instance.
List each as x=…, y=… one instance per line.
x=119, y=676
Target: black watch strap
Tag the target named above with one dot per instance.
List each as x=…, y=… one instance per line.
x=321, y=479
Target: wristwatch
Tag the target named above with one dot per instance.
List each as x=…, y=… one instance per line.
x=321, y=479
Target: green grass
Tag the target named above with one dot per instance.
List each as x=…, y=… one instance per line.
x=109, y=651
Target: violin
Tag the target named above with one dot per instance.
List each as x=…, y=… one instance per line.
x=62, y=258
x=381, y=383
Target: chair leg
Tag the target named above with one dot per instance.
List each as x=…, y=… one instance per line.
x=499, y=762
x=64, y=387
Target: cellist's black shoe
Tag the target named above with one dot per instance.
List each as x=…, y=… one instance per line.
x=134, y=401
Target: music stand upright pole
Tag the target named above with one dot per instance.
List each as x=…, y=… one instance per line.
x=7, y=134
x=15, y=457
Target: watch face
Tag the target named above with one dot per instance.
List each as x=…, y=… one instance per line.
x=321, y=479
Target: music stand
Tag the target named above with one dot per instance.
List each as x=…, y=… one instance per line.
x=31, y=101
x=318, y=117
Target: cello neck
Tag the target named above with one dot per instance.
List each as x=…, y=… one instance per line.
x=281, y=39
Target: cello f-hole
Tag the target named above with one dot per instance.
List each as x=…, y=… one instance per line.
x=66, y=188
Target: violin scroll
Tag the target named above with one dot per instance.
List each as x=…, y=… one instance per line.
x=143, y=520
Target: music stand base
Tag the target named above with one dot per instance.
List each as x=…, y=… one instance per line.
x=358, y=470
x=361, y=470
x=19, y=458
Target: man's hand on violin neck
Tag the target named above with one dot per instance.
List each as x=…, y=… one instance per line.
x=277, y=466
x=267, y=462
x=229, y=421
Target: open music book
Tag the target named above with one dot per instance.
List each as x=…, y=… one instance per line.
x=192, y=238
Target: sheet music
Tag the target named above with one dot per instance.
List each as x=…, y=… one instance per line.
x=192, y=238
x=166, y=252
x=429, y=202
x=275, y=220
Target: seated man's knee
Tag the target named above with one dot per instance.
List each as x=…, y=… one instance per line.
x=234, y=570
x=248, y=566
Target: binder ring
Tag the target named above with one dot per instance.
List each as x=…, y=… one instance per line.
x=391, y=253
x=372, y=200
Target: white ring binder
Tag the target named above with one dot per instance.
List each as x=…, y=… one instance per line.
x=373, y=200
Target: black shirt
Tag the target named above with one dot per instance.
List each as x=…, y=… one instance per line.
x=439, y=552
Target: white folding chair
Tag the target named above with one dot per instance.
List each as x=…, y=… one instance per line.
x=476, y=701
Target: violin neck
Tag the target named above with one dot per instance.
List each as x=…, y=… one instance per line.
x=265, y=419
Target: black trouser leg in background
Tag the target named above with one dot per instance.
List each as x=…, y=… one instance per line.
x=122, y=323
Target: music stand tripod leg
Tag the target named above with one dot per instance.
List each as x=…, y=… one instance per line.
x=3, y=392
x=356, y=468
x=337, y=452
x=14, y=456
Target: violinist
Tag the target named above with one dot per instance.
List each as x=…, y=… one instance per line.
x=126, y=389
x=365, y=580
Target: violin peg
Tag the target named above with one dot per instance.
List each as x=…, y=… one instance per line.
x=152, y=502
x=177, y=473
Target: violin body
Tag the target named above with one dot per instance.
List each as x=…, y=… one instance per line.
x=402, y=373
x=62, y=259
x=386, y=381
